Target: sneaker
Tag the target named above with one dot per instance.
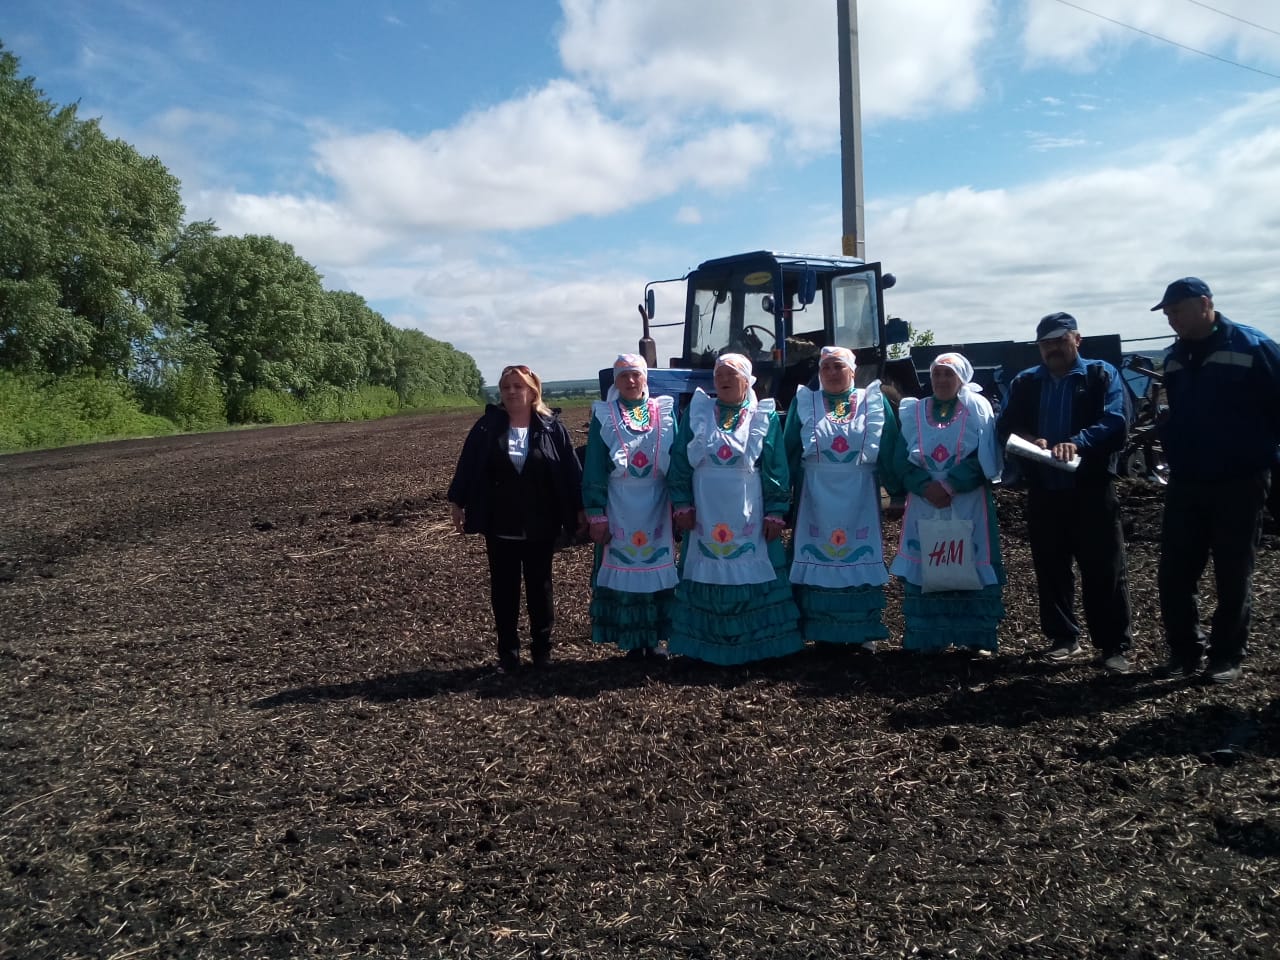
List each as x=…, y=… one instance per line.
x=1117, y=663
x=1067, y=650
x=1177, y=670
x=869, y=646
x=1226, y=673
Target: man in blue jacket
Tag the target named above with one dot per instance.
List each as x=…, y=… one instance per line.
x=1074, y=407
x=1222, y=385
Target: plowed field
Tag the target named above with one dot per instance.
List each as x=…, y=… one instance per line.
x=249, y=710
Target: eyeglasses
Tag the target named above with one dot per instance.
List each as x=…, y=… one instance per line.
x=516, y=368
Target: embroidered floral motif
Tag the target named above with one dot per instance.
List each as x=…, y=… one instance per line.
x=839, y=447
x=721, y=546
x=640, y=466
x=639, y=551
x=726, y=456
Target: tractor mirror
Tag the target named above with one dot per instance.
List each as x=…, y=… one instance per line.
x=648, y=303
x=896, y=330
x=766, y=303
x=808, y=286
x=888, y=281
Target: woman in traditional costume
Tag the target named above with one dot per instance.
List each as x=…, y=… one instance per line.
x=624, y=489
x=840, y=442
x=730, y=490
x=947, y=459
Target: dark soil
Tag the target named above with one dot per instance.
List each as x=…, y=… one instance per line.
x=249, y=710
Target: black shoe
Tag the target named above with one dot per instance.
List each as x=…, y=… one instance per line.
x=508, y=663
x=639, y=653
x=542, y=659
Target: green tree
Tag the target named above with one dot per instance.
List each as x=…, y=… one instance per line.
x=261, y=308
x=83, y=221
x=427, y=369
x=358, y=344
x=916, y=338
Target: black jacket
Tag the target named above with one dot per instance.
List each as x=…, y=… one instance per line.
x=1090, y=414
x=539, y=503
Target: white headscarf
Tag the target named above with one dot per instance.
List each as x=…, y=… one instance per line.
x=990, y=456
x=625, y=363
x=741, y=365
x=961, y=367
x=843, y=354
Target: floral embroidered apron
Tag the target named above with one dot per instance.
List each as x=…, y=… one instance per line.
x=837, y=535
x=640, y=556
x=727, y=544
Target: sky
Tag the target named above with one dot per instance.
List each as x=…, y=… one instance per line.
x=506, y=175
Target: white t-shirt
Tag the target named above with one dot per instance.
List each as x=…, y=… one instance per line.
x=518, y=447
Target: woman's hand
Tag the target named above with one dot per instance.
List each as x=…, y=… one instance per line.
x=459, y=517
x=684, y=519
x=937, y=495
x=773, y=527
x=600, y=532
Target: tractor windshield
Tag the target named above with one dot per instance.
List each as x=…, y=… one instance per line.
x=729, y=316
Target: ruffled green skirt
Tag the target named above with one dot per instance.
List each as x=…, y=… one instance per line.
x=632, y=621
x=962, y=618
x=740, y=623
x=848, y=615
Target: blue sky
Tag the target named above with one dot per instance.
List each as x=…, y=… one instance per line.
x=507, y=175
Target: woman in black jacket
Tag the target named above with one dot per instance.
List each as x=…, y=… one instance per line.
x=518, y=482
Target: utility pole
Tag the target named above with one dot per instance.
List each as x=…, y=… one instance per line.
x=852, y=243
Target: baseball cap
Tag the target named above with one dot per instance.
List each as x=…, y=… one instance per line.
x=1183, y=289
x=1055, y=325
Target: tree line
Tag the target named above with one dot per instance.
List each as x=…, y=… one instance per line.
x=108, y=298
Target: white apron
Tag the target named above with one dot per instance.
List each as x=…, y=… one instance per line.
x=640, y=557
x=727, y=545
x=837, y=536
x=937, y=448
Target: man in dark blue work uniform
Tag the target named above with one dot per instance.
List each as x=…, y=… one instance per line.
x=1074, y=407
x=1222, y=385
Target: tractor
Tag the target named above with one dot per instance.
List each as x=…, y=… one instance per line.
x=779, y=310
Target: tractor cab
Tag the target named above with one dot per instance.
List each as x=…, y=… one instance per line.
x=778, y=310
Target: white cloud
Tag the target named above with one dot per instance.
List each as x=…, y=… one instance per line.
x=757, y=57
x=689, y=215
x=544, y=158
x=1073, y=37
x=322, y=232
x=1042, y=142
x=982, y=265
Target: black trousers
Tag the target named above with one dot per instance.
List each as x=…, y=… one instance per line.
x=1081, y=525
x=1222, y=518
x=510, y=561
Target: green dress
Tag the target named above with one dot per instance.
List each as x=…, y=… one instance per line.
x=624, y=483
x=840, y=448
x=733, y=603
x=954, y=444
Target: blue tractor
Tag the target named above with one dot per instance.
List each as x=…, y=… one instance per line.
x=780, y=310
